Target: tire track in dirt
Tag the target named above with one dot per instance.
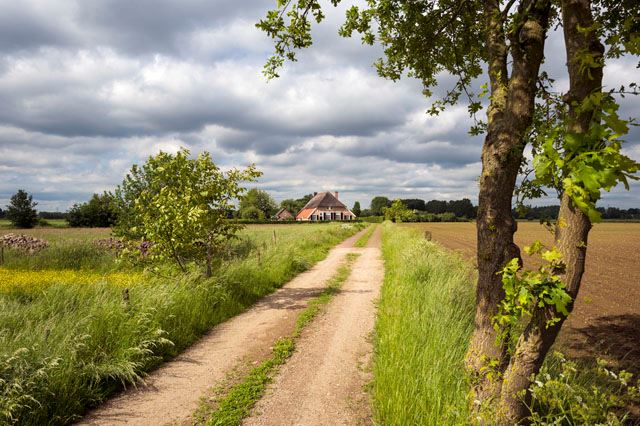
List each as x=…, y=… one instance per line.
x=323, y=382
x=172, y=393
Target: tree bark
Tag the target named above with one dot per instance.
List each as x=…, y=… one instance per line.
x=572, y=229
x=509, y=115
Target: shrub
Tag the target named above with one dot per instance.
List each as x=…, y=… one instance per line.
x=99, y=212
x=372, y=219
x=252, y=213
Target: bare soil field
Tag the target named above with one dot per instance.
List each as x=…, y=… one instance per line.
x=606, y=317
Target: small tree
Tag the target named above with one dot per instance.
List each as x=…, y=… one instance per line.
x=356, y=208
x=21, y=211
x=180, y=205
x=397, y=212
x=260, y=200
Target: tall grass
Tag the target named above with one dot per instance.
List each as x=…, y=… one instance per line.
x=65, y=347
x=424, y=323
x=62, y=255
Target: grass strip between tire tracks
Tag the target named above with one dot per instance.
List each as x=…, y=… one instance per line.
x=364, y=239
x=236, y=404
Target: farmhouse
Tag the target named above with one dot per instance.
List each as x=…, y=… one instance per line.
x=325, y=206
x=283, y=214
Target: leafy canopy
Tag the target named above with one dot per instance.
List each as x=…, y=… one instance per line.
x=397, y=212
x=257, y=204
x=100, y=211
x=294, y=206
x=180, y=205
x=357, y=210
x=583, y=163
x=422, y=39
x=378, y=204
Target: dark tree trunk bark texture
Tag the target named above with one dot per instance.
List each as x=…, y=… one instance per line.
x=509, y=116
x=573, y=225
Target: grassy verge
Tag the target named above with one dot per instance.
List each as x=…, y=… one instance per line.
x=65, y=346
x=364, y=239
x=424, y=323
x=233, y=406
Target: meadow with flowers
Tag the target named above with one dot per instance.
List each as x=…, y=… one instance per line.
x=80, y=322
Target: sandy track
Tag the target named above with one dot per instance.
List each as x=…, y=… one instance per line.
x=172, y=392
x=323, y=382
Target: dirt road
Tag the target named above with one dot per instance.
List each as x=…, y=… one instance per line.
x=323, y=382
x=172, y=392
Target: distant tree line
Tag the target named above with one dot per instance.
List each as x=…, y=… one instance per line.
x=551, y=212
x=101, y=210
x=426, y=210
x=52, y=215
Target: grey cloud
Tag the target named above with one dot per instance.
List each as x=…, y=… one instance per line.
x=140, y=27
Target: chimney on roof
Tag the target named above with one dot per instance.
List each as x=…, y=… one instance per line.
x=336, y=195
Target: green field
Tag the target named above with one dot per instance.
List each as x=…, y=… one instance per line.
x=77, y=325
x=56, y=223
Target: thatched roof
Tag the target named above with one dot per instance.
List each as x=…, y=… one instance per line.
x=323, y=200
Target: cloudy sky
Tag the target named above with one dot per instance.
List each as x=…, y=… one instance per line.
x=88, y=88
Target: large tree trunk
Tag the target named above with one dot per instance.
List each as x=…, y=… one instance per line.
x=509, y=116
x=573, y=225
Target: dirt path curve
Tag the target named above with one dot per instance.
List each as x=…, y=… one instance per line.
x=323, y=382
x=172, y=392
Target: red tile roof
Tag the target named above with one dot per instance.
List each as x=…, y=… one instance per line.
x=305, y=213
